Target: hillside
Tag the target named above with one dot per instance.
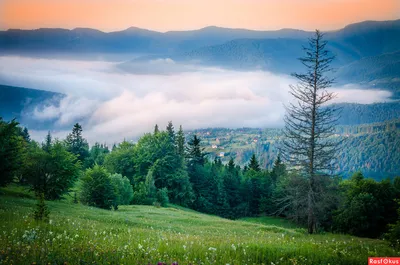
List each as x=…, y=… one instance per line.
x=347, y=43
x=15, y=102
x=131, y=40
x=136, y=234
x=371, y=148
x=355, y=114
x=382, y=72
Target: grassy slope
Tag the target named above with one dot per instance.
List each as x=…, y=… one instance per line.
x=144, y=234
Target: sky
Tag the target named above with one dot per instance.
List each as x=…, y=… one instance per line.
x=165, y=15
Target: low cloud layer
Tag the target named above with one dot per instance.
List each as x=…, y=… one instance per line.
x=114, y=103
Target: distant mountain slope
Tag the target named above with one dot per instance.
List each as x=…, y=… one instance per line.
x=268, y=54
x=354, y=114
x=382, y=37
x=371, y=148
x=382, y=71
x=16, y=101
x=349, y=44
x=131, y=40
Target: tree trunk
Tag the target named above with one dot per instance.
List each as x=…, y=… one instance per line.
x=310, y=212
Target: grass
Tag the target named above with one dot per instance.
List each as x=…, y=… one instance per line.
x=135, y=234
x=272, y=221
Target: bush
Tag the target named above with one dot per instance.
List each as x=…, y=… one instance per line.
x=11, y=151
x=123, y=190
x=51, y=172
x=96, y=188
x=41, y=212
x=162, y=197
x=393, y=236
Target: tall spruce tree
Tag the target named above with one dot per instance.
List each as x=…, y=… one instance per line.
x=180, y=142
x=156, y=130
x=309, y=125
x=171, y=132
x=254, y=163
x=46, y=146
x=76, y=144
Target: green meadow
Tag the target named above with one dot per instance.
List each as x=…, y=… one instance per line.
x=78, y=234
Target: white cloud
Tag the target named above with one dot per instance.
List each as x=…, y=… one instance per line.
x=113, y=104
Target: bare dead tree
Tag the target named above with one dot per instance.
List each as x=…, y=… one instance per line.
x=309, y=144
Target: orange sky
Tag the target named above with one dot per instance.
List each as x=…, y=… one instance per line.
x=164, y=15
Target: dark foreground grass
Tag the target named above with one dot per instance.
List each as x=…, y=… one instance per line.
x=78, y=234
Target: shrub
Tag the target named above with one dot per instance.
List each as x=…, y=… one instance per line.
x=162, y=197
x=41, y=212
x=51, y=172
x=96, y=188
x=123, y=190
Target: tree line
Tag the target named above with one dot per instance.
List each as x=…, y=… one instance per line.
x=163, y=167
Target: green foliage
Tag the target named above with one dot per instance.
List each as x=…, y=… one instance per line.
x=123, y=190
x=368, y=206
x=76, y=144
x=52, y=172
x=121, y=160
x=97, y=189
x=158, y=153
x=162, y=197
x=41, y=212
x=254, y=165
x=145, y=191
x=393, y=235
x=11, y=151
x=98, y=153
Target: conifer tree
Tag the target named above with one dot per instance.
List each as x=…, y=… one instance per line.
x=309, y=124
x=254, y=163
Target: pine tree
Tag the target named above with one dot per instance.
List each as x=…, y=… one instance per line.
x=181, y=142
x=171, y=132
x=46, y=146
x=195, y=153
x=156, y=130
x=25, y=134
x=76, y=144
x=278, y=170
x=254, y=163
x=41, y=212
x=309, y=124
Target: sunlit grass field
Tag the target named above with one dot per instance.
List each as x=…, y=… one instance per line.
x=77, y=234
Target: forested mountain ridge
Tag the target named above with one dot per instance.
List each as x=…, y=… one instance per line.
x=347, y=43
x=371, y=148
x=354, y=114
x=16, y=102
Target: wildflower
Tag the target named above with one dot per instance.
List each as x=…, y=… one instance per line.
x=140, y=246
x=184, y=247
x=233, y=247
x=212, y=249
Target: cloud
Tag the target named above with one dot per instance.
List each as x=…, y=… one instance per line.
x=113, y=104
